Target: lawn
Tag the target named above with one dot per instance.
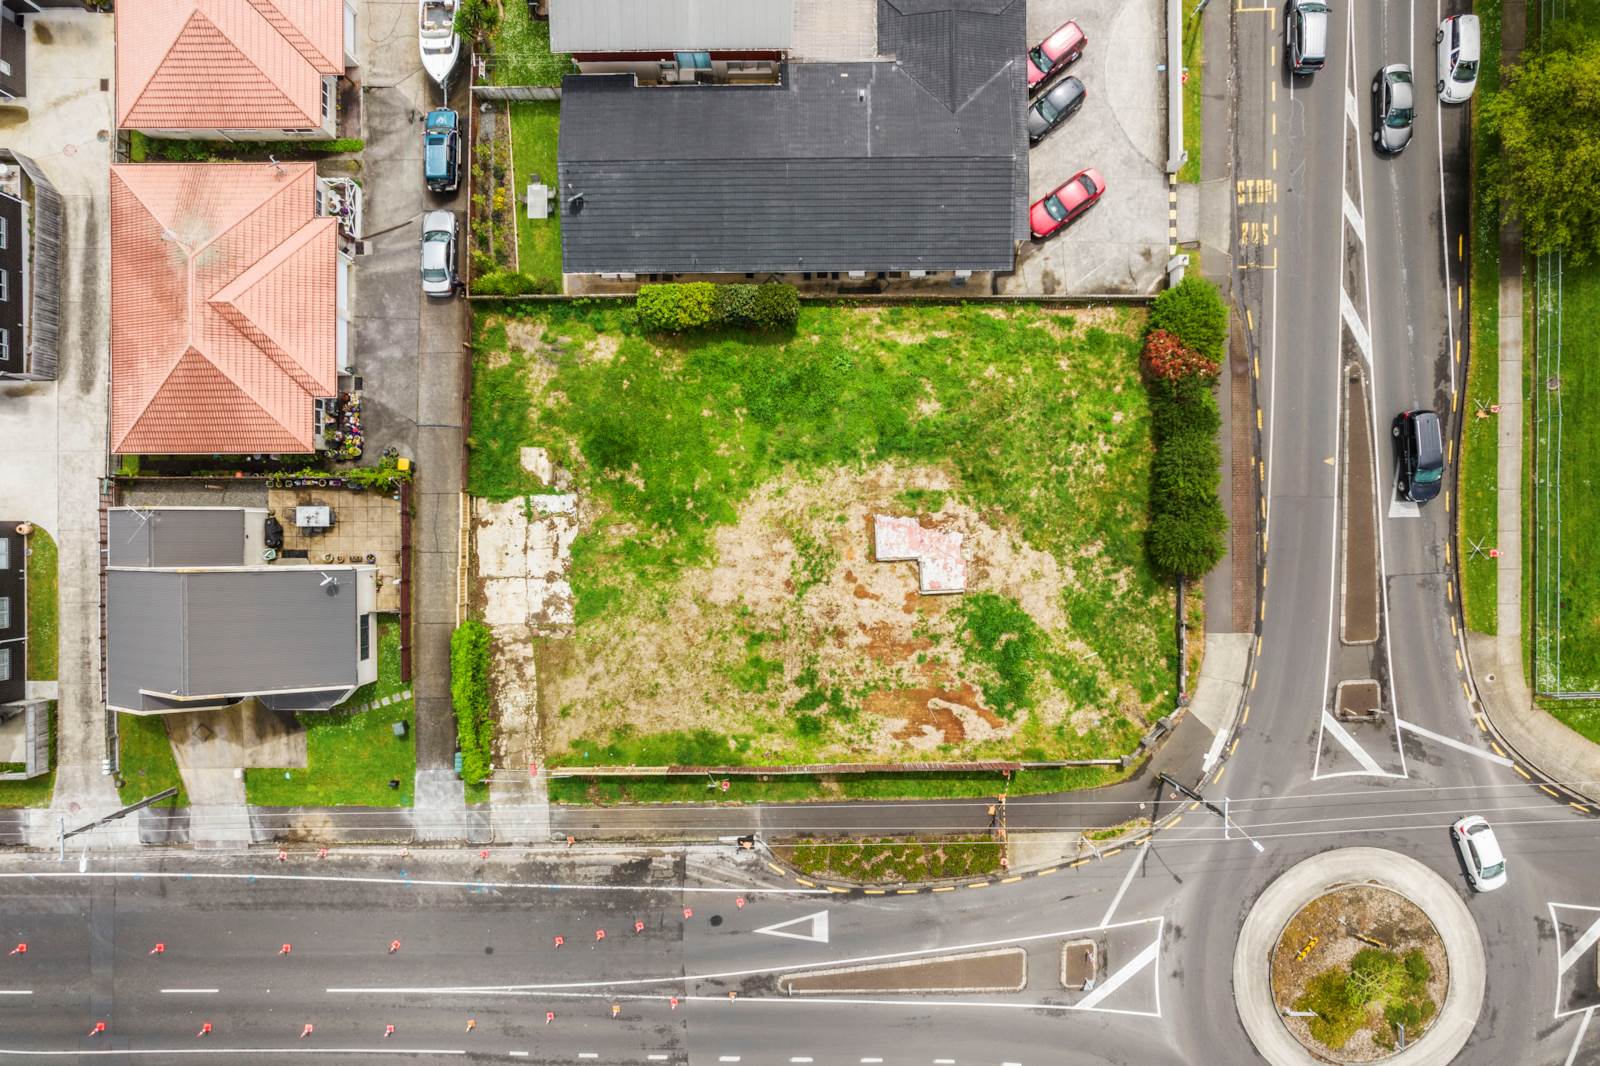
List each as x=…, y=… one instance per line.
x=37, y=791
x=522, y=53
x=1480, y=445
x=351, y=755
x=43, y=607
x=147, y=764
x=728, y=609
x=893, y=860
x=534, y=128
x=1194, y=65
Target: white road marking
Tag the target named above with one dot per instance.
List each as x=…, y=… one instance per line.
x=1453, y=743
x=1579, y=946
x=1127, y=879
x=727, y=1058
x=944, y=1062
x=802, y=1058
x=15, y=992
x=588, y=1054
x=1400, y=507
x=1353, y=216
x=188, y=991
x=1121, y=977
x=223, y=1052
x=1358, y=328
x=411, y=882
x=817, y=921
x=518, y=1054
x=1350, y=109
x=657, y=1058
x=1444, y=227
x=1583, y=1027
x=871, y=1060
x=1331, y=725
x=1214, y=752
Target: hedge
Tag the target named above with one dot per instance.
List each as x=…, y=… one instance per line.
x=509, y=283
x=469, y=695
x=205, y=151
x=1193, y=311
x=680, y=307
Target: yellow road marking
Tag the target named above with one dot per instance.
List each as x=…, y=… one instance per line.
x=978, y=884
x=1520, y=770
x=1498, y=750
x=1449, y=454
x=1195, y=806
x=1458, y=658
x=1274, y=123
x=1274, y=167
x=775, y=868
x=1046, y=872
x=1220, y=772
x=1245, y=717
x=1580, y=808
x=1447, y=500
x=1233, y=747
x=1175, y=821
x=1449, y=592
x=876, y=892
x=1465, y=691
x=1447, y=563
x=1274, y=86
x=1274, y=62
x=1254, y=675
x=945, y=888
x=1550, y=790
x=840, y=891
x=1249, y=320
x=906, y=891
x=1482, y=726
x=1458, y=297
x=1258, y=368
x=1075, y=865
x=1113, y=851
x=1258, y=419
x=1452, y=617
x=1454, y=399
x=1264, y=577
x=1461, y=240
x=1010, y=880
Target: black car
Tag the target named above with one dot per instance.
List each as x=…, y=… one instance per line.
x=1419, y=442
x=1055, y=107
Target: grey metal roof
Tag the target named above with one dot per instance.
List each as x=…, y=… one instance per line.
x=844, y=166
x=228, y=631
x=670, y=25
x=175, y=536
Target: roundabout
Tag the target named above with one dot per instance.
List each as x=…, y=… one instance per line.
x=1422, y=918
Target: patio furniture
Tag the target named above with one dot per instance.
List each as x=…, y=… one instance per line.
x=540, y=197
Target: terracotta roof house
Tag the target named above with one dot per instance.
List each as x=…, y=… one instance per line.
x=261, y=70
x=227, y=309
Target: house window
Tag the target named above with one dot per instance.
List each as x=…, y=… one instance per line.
x=5, y=612
x=366, y=638
x=5, y=286
x=5, y=546
x=693, y=60
x=5, y=351
x=5, y=664
x=327, y=99
x=5, y=233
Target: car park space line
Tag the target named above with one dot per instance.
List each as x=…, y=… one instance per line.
x=1452, y=742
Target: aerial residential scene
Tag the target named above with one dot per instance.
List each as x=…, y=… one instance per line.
x=800, y=532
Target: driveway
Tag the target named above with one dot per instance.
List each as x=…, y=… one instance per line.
x=1120, y=246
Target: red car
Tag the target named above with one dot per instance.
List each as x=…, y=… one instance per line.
x=1062, y=207
x=1054, y=54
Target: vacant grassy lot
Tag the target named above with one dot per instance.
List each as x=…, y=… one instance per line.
x=43, y=607
x=893, y=860
x=351, y=756
x=535, y=127
x=728, y=606
x=38, y=791
x=521, y=50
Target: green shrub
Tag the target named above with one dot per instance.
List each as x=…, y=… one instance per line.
x=1187, y=546
x=736, y=304
x=675, y=308
x=1337, y=1018
x=469, y=695
x=777, y=306
x=1186, y=469
x=138, y=147
x=507, y=283
x=1193, y=311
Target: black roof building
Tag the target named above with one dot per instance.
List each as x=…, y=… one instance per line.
x=32, y=221
x=916, y=160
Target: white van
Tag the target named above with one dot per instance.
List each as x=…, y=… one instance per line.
x=1458, y=58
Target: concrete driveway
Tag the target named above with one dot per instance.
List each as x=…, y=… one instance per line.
x=1120, y=246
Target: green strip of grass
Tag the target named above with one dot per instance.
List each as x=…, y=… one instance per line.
x=1480, y=446
x=38, y=791
x=1194, y=64
x=535, y=128
x=147, y=764
x=893, y=860
x=43, y=607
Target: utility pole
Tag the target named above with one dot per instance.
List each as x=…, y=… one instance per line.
x=61, y=846
x=1220, y=812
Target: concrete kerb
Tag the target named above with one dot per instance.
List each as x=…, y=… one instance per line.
x=1299, y=885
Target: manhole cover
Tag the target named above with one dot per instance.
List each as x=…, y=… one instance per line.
x=1552, y=383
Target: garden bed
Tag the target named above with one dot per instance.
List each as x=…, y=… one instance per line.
x=43, y=606
x=727, y=606
x=892, y=860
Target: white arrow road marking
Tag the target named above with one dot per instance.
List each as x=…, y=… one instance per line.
x=817, y=921
x=1579, y=946
x=1348, y=742
x=1357, y=327
x=1583, y=1027
x=1121, y=977
x=1453, y=742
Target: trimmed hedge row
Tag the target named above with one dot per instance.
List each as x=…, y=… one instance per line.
x=1184, y=345
x=510, y=283
x=469, y=695
x=679, y=307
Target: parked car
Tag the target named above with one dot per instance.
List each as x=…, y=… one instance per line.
x=1067, y=204
x=1055, y=107
x=439, y=253
x=1480, y=851
x=441, y=150
x=1420, y=444
x=1458, y=46
x=1054, y=54
x=1394, y=108
x=1305, y=35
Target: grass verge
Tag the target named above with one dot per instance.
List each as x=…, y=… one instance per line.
x=535, y=128
x=147, y=764
x=351, y=755
x=522, y=53
x=44, y=610
x=1194, y=65
x=892, y=860
x=37, y=791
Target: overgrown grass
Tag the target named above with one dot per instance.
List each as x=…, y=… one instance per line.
x=1194, y=63
x=535, y=128
x=1480, y=443
x=44, y=610
x=147, y=764
x=351, y=755
x=37, y=791
x=892, y=860
x=522, y=53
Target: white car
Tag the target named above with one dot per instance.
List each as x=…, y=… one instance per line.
x=1486, y=863
x=439, y=253
x=1458, y=45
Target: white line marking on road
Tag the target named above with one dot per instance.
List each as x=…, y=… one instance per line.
x=518, y=1054
x=1121, y=977
x=410, y=882
x=1579, y=946
x=871, y=1060
x=1353, y=217
x=657, y=1058
x=1583, y=1027
x=15, y=992
x=1350, y=109
x=1331, y=725
x=1358, y=328
x=588, y=1054
x=1453, y=742
x=188, y=991
x=1399, y=507
x=1214, y=752
x=1127, y=879
x=802, y=1058
x=944, y=1062
x=222, y=1053
x=817, y=935
x=727, y=1058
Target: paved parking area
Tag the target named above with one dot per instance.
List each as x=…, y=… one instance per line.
x=1120, y=246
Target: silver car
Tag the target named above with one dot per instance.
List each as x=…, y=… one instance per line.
x=439, y=253
x=1394, y=108
x=1055, y=107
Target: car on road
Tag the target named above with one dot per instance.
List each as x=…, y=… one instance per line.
x=439, y=253
x=1420, y=444
x=1066, y=204
x=1458, y=44
x=1305, y=35
x=1480, y=851
x=1054, y=54
x=441, y=150
x=1055, y=107
x=1394, y=108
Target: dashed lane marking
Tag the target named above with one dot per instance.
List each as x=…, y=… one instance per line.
x=657, y=1057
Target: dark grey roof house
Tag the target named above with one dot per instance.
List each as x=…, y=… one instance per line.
x=916, y=160
x=195, y=618
x=13, y=613
x=32, y=221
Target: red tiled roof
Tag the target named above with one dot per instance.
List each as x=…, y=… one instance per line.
x=223, y=286
x=225, y=64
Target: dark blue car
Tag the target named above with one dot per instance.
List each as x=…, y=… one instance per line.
x=441, y=150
